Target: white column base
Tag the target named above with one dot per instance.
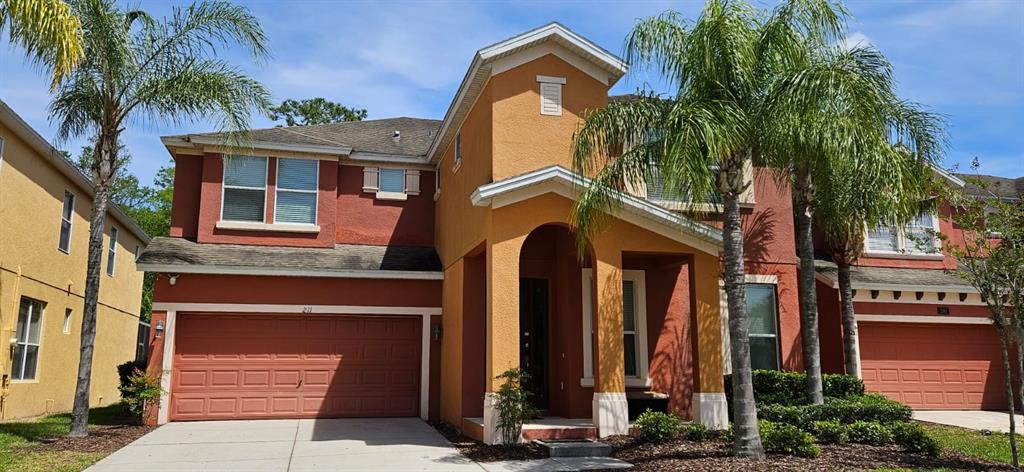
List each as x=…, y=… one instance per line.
x=491, y=433
x=611, y=413
x=710, y=409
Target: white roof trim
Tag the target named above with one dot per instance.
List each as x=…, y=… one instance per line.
x=479, y=70
x=556, y=179
x=220, y=141
x=347, y=274
x=11, y=119
x=937, y=319
x=948, y=176
x=297, y=309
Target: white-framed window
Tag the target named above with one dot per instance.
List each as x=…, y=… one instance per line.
x=1, y=152
x=390, y=183
x=27, y=340
x=137, y=250
x=245, y=189
x=67, y=320
x=67, y=216
x=634, y=328
x=763, y=326
x=457, y=162
x=111, y=251
x=918, y=237
x=296, y=199
x=551, y=95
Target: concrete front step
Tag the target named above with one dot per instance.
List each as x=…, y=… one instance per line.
x=576, y=448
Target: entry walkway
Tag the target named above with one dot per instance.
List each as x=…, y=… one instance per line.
x=979, y=420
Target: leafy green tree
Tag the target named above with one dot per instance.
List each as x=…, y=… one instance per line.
x=841, y=106
x=729, y=70
x=853, y=197
x=991, y=258
x=138, y=69
x=314, y=111
x=48, y=31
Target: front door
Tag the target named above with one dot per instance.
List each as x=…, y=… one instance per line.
x=533, y=337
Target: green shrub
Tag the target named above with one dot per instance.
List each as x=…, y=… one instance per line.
x=829, y=432
x=787, y=439
x=790, y=388
x=141, y=391
x=125, y=371
x=693, y=431
x=912, y=437
x=796, y=415
x=871, y=407
x=513, y=405
x=658, y=426
x=841, y=386
x=869, y=432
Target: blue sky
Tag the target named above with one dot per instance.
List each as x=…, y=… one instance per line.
x=964, y=59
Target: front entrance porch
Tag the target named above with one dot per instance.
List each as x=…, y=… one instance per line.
x=636, y=315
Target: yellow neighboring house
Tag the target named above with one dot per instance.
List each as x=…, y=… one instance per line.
x=44, y=227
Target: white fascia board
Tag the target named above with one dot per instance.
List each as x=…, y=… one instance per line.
x=297, y=309
x=249, y=144
x=390, y=158
x=556, y=179
x=264, y=271
x=948, y=176
x=976, y=320
x=609, y=60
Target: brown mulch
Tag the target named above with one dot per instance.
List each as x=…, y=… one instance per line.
x=100, y=439
x=481, y=452
x=715, y=454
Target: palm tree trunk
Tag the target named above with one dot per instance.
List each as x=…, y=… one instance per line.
x=803, y=208
x=1009, y=396
x=851, y=343
x=97, y=223
x=747, y=438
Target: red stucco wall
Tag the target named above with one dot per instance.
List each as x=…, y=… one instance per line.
x=362, y=219
x=188, y=177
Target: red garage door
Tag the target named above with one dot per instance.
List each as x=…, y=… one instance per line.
x=933, y=366
x=229, y=366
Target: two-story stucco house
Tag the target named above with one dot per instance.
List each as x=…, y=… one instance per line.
x=45, y=204
x=397, y=267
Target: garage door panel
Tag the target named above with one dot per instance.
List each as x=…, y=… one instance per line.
x=933, y=366
x=332, y=367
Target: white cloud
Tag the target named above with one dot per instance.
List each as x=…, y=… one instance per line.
x=855, y=39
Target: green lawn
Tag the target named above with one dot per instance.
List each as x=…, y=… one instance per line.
x=994, y=447
x=21, y=443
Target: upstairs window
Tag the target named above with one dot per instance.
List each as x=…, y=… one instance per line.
x=111, y=251
x=296, y=191
x=657, y=192
x=392, y=180
x=66, y=219
x=245, y=189
x=918, y=237
x=26, y=340
x=458, y=152
x=390, y=183
x=551, y=95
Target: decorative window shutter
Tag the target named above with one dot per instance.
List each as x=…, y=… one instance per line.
x=370, y=179
x=550, y=99
x=412, y=182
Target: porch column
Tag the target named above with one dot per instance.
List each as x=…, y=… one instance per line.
x=709, y=405
x=502, y=323
x=611, y=411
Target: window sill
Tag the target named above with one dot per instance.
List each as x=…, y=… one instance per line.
x=630, y=382
x=903, y=255
x=275, y=227
x=393, y=196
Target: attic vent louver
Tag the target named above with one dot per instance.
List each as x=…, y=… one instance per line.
x=397, y=135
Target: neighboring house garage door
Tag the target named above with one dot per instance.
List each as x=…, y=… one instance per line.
x=230, y=366
x=933, y=366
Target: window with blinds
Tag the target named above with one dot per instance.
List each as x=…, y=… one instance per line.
x=245, y=188
x=392, y=180
x=66, y=218
x=918, y=237
x=296, y=191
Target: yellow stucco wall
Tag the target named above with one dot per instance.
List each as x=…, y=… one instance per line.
x=31, y=196
x=451, y=344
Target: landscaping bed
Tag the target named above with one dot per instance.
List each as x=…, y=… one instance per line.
x=481, y=452
x=716, y=454
x=43, y=445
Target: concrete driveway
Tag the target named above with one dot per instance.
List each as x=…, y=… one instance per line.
x=990, y=420
x=290, y=445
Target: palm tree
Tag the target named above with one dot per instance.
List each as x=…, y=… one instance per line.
x=852, y=198
x=725, y=67
x=48, y=31
x=138, y=69
x=840, y=106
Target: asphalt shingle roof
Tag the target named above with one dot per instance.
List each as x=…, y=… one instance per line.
x=343, y=257
x=861, y=275
x=376, y=136
x=994, y=186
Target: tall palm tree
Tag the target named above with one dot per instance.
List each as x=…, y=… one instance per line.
x=724, y=67
x=855, y=196
x=847, y=97
x=48, y=31
x=138, y=69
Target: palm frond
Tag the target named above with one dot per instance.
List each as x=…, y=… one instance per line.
x=49, y=32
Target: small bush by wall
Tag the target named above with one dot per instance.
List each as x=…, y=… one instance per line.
x=787, y=439
x=657, y=426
